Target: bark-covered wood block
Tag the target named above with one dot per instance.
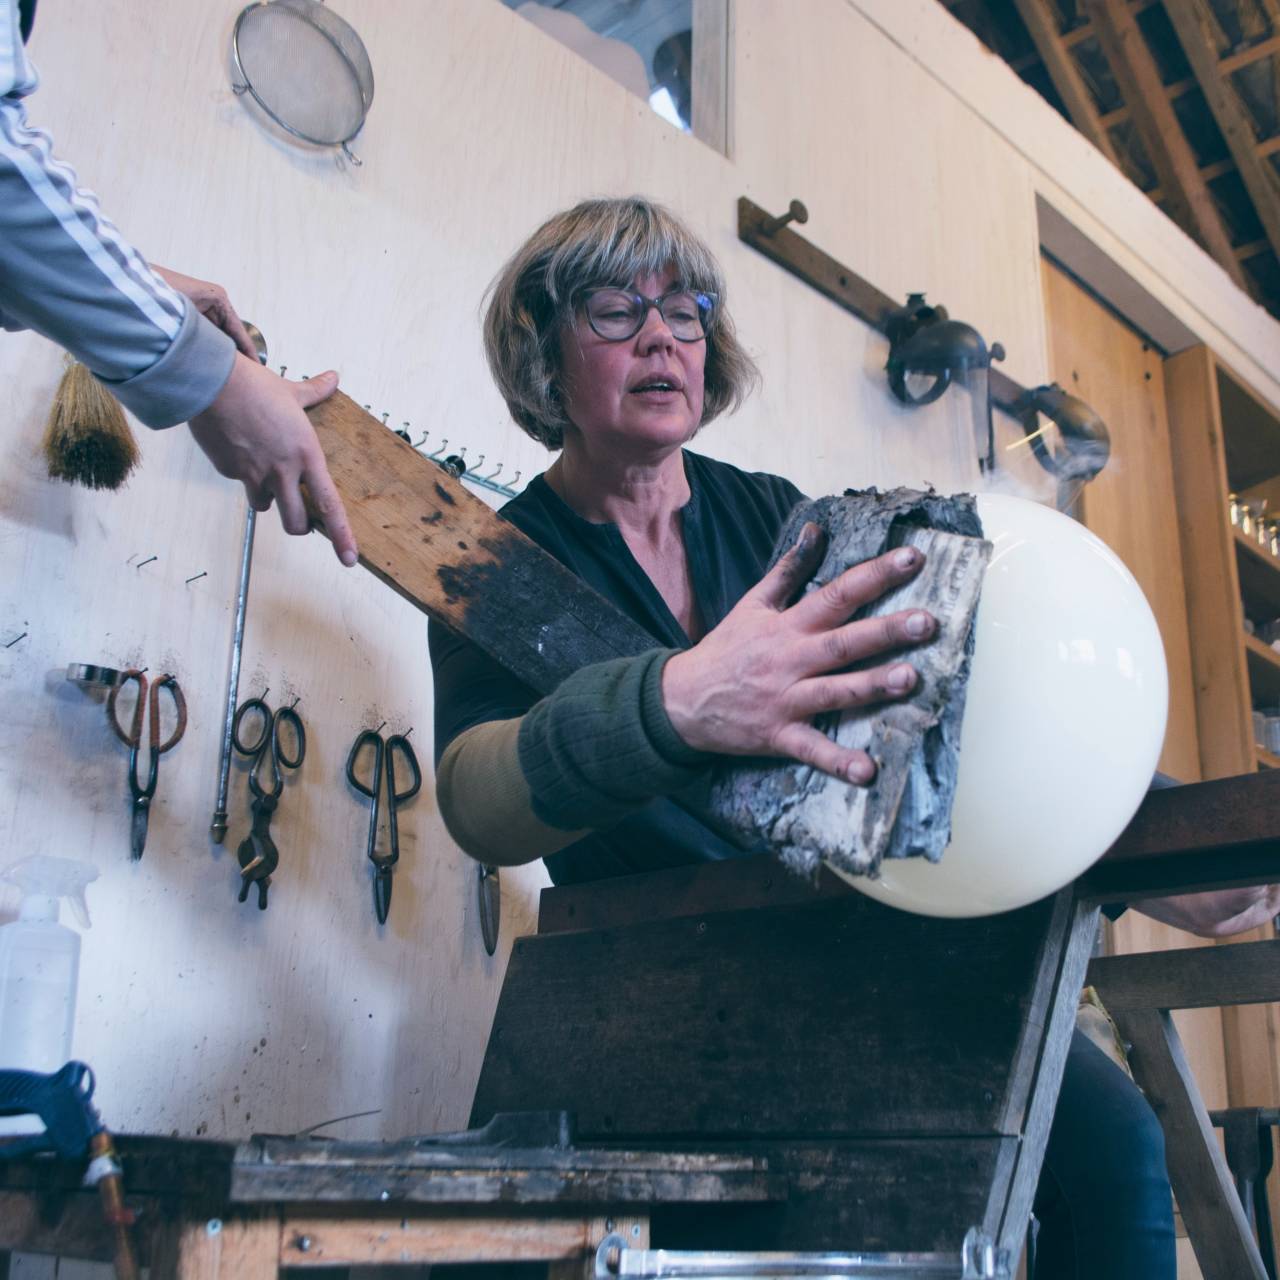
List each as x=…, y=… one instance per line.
x=807, y=816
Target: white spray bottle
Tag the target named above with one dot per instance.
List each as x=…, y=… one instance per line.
x=40, y=969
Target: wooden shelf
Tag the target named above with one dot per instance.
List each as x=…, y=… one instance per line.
x=1250, y=433
x=1264, y=671
x=1266, y=760
x=1259, y=574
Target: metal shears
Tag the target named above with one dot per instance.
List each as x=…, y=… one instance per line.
x=384, y=765
x=148, y=702
x=257, y=854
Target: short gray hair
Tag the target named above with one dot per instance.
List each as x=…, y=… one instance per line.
x=602, y=241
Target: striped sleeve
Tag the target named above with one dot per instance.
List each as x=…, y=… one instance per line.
x=67, y=273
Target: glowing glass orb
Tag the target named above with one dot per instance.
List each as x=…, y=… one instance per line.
x=1063, y=724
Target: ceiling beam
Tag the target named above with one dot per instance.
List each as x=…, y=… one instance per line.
x=1065, y=74
x=1078, y=35
x=1191, y=22
x=1135, y=71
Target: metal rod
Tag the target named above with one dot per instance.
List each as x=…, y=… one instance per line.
x=978, y=1259
x=218, y=827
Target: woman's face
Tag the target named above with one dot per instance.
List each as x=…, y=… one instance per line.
x=611, y=390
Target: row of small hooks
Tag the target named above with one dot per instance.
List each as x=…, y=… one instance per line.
x=457, y=463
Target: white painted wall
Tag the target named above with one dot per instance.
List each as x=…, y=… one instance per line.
x=201, y=1015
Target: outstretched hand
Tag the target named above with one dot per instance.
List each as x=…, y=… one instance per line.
x=256, y=432
x=753, y=684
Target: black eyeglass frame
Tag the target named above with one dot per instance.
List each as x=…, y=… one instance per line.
x=706, y=303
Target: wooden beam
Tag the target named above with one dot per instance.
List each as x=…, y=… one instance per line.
x=1065, y=75
x=1136, y=73
x=1191, y=21
x=1190, y=978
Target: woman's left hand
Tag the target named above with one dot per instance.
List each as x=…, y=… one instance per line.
x=1218, y=914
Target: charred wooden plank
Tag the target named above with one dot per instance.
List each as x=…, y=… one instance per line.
x=451, y=556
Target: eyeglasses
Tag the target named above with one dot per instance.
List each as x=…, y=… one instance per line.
x=618, y=314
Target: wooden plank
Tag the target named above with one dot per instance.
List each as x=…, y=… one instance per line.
x=1190, y=20
x=584, y=1179
x=69, y=1224
x=1065, y=75
x=451, y=556
x=774, y=1005
x=1197, y=978
x=356, y=1239
x=1135, y=71
x=1202, y=1183
x=1209, y=564
x=239, y=1248
x=1204, y=835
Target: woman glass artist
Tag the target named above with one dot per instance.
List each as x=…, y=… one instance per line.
x=608, y=336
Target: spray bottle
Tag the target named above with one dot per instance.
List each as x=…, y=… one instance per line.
x=40, y=968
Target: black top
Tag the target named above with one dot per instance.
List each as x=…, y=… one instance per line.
x=26, y=18
x=730, y=525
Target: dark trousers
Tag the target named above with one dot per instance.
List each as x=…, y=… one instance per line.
x=1104, y=1205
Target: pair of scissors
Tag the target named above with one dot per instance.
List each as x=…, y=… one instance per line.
x=148, y=701
x=257, y=854
x=384, y=765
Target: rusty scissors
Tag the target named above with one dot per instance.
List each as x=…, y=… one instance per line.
x=384, y=765
x=148, y=702
x=270, y=748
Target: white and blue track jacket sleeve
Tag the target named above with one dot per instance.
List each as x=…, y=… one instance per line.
x=67, y=272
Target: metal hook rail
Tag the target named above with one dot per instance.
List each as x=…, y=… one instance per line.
x=456, y=462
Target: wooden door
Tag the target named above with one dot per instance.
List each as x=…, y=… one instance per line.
x=1131, y=507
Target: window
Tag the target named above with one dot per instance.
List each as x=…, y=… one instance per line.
x=672, y=53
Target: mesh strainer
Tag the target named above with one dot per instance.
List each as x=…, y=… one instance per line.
x=306, y=68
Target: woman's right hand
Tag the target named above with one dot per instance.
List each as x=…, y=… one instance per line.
x=753, y=685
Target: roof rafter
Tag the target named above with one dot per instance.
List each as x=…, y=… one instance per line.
x=1065, y=75
x=1139, y=80
x=1191, y=22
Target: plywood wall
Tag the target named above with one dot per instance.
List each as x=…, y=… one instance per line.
x=201, y=1015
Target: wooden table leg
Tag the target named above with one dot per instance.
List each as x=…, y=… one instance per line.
x=242, y=1248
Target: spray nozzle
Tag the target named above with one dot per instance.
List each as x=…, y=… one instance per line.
x=42, y=876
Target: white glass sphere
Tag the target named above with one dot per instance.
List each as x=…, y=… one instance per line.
x=1063, y=724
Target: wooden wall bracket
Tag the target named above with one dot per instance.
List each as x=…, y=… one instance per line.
x=773, y=238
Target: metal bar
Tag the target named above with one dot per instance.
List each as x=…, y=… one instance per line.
x=218, y=827
x=978, y=1259
x=845, y=287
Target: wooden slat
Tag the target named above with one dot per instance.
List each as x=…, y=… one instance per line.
x=1065, y=75
x=1191, y=20
x=1196, y=978
x=1135, y=71
x=1202, y=1183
